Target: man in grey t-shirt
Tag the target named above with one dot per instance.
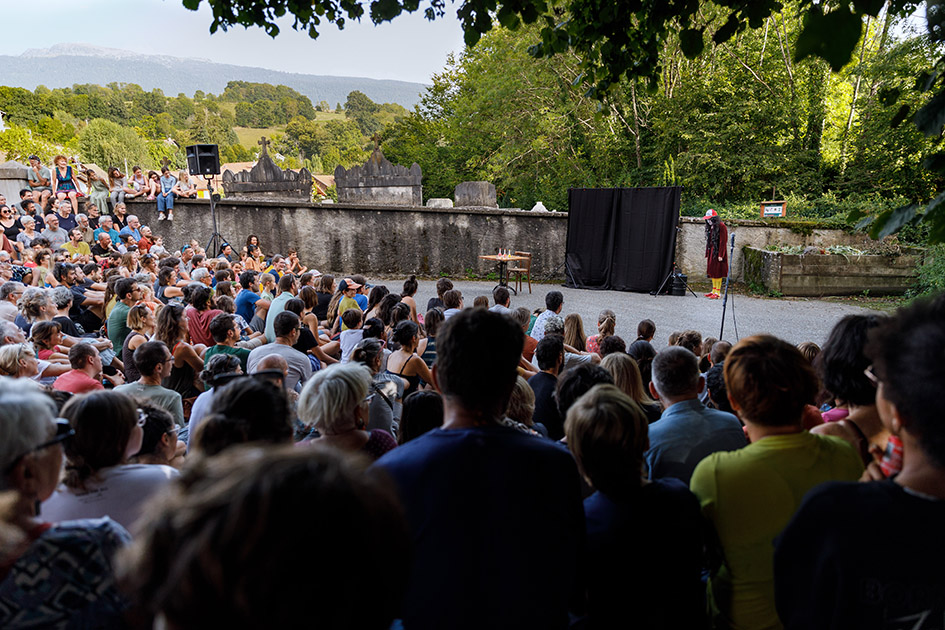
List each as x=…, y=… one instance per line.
x=286, y=328
x=154, y=361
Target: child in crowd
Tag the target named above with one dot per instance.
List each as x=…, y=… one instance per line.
x=351, y=337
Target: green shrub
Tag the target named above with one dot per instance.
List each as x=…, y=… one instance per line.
x=931, y=272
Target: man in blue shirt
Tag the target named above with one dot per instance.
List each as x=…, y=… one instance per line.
x=105, y=224
x=247, y=300
x=131, y=228
x=688, y=431
x=488, y=506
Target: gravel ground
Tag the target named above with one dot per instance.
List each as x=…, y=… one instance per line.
x=792, y=319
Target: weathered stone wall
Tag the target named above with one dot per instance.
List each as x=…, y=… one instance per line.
x=409, y=239
x=690, y=243
x=374, y=240
x=815, y=275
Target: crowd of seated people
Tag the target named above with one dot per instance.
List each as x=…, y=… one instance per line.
x=467, y=466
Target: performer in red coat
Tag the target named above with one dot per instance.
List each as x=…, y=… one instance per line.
x=716, y=236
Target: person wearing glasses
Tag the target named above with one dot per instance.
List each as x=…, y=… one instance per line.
x=75, y=557
x=99, y=480
x=337, y=402
x=154, y=362
x=160, y=444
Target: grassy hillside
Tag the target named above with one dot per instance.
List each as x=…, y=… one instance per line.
x=249, y=136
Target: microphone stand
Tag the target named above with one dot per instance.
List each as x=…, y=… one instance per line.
x=731, y=257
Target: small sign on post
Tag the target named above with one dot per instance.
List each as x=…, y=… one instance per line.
x=773, y=209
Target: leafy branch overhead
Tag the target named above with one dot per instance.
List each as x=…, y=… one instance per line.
x=613, y=38
x=619, y=40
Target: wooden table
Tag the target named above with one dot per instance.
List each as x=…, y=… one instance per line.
x=503, y=260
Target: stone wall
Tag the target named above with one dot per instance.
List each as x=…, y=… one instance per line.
x=815, y=275
x=399, y=240
x=375, y=240
x=690, y=243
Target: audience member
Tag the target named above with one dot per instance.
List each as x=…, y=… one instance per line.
x=475, y=473
x=55, y=575
x=286, y=330
x=99, y=481
x=206, y=558
x=336, y=401
x=688, y=431
x=554, y=302
x=384, y=409
x=644, y=538
x=550, y=356
x=626, y=375
x=154, y=362
x=749, y=495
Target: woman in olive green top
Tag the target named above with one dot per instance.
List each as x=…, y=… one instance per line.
x=749, y=495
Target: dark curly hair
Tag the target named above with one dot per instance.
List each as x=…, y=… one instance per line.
x=841, y=363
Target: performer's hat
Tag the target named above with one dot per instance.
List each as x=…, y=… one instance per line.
x=710, y=213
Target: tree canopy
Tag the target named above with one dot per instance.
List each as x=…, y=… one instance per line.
x=611, y=44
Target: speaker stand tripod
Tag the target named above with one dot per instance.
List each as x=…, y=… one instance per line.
x=675, y=275
x=217, y=240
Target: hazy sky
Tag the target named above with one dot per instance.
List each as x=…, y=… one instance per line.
x=410, y=48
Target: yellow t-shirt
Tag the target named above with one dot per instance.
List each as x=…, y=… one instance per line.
x=749, y=495
x=82, y=249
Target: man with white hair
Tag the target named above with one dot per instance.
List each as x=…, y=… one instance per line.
x=132, y=227
x=688, y=431
x=10, y=294
x=53, y=233
x=10, y=333
x=107, y=224
x=88, y=234
x=67, y=219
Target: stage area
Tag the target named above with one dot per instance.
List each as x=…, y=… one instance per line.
x=794, y=320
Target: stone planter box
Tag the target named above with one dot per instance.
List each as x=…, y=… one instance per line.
x=815, y=275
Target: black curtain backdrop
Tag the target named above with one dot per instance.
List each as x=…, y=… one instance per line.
x=621, y=239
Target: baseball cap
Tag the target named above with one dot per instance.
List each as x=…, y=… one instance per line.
x=710, y=213
x=348, y=283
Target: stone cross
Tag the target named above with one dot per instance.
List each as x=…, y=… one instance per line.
x=263, y=143
x=166, y=163
x=377, y=140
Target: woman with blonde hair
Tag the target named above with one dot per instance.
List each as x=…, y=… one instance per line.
x=336, y=401
x=628, y=379
x=574, y=335
x=142, y=322
x=606, y=325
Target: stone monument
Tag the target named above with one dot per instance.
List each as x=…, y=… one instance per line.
x=475, y=195
x=378, y=182
x=266, y=180
x=13, y=180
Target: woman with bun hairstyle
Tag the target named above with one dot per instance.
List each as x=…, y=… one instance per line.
x=411, y=286
x=405, y=362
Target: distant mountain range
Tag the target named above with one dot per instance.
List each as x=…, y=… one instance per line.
x=66, y=64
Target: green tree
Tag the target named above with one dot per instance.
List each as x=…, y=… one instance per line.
x=236, y=153
x=245, y=116
x=363, y=111
x=17, y=143
x=106, y=143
